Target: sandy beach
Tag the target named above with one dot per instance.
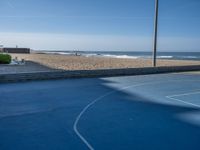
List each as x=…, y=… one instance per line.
x=64, y=62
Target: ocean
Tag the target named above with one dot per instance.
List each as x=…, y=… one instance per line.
x=132, y=55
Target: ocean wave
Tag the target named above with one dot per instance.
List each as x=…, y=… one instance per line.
x=165, y=57
x=90, y=55
x=59, y=53
x=189, y=57
x=121, y=56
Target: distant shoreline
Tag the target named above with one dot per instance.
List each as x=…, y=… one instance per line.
x=128, y=54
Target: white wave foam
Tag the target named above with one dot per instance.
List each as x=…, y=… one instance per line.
x=90, y=55
x=190, y=57
x=59, y=53
x=165, y=57
x=121, y=56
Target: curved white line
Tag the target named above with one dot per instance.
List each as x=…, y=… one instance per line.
x=80, y=115
x=101, y=97
x=92, y=103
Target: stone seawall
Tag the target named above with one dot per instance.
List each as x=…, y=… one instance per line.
x=93, y=73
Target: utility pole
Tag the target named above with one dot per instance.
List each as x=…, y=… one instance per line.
x=155, y=33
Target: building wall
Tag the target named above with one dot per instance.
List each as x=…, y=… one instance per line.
x=17, y=50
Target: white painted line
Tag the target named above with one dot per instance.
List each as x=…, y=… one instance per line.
x=80, y=115
x=92, y=103
x=172, y=97
x=188, y=103
x=75, y=126
x=186, y=94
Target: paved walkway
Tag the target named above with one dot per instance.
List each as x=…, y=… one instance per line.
x=29, y=67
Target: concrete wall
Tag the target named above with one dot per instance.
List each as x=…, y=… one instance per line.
x=93, y=73
x=16, y=50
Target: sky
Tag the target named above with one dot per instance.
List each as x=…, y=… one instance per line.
x=118, y=25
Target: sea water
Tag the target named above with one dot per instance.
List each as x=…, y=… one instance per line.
x=132, y=54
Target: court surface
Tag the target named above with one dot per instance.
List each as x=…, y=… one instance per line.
x=151, y=112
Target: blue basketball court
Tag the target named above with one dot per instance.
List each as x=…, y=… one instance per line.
x=154, y=112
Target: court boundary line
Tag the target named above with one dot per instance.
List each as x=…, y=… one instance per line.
x=172, y=97
x=75, y=125
x=92, y=103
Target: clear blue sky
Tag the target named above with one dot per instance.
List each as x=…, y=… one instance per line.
x=100, y=24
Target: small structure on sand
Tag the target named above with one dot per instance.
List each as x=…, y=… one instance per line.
x=16, y=50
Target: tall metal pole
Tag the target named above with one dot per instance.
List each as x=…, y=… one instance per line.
x=155, y=33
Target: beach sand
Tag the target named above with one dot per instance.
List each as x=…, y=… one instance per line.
x=65, y=62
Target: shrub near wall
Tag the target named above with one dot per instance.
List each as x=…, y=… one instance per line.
x=5, y=58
